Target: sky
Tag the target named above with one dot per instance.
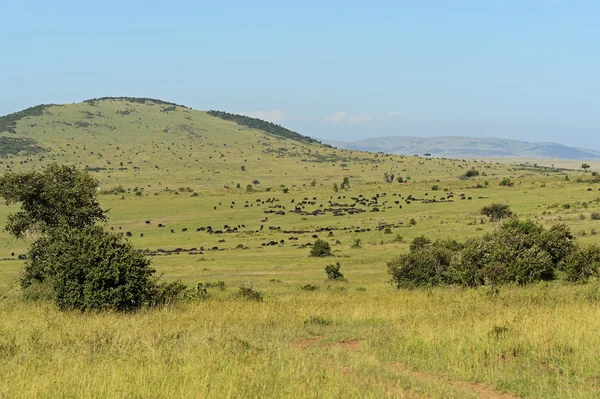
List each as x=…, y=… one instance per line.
x=339, y=70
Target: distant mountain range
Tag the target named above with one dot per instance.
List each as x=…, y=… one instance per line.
x=467, y=147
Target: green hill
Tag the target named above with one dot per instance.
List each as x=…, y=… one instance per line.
x=126, y=140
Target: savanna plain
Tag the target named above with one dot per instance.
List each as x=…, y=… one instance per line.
x=233, y=203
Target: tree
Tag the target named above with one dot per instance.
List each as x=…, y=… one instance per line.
x=333, y=272
x=84, y=266
x=55, y=197
x=255, y=182
x=471, y=173
x=496, y=211
x=320, y=248
x=585, y=166
x=345, y=183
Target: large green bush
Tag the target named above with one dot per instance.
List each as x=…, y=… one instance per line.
x=423, y=267
x=519, y=252
x=582, y=264
x=90, y=268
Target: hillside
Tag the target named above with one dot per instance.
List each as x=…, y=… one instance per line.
x=126, y=140
x=467, y=147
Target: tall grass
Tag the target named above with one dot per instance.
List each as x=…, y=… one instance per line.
x=540, y=341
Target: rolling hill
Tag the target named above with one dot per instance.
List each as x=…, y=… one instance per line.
x=467, y=147
x=127, y=140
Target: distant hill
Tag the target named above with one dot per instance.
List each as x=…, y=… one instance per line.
x=467, y=147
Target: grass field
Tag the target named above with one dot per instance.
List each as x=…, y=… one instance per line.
x=360, y=338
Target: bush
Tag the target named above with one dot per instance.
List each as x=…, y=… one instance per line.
x=496, y=211
x=333, y=272
x=249, y=294
x=320, y=248
x=519, y=252
x=595, y=216
x=513, y=253
x=419, y=243
x=471, y=173
x=582, y=264
x=506, y=182
x=91, y=269
x=426, y=267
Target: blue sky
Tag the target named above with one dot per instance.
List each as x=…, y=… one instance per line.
x=341, y=70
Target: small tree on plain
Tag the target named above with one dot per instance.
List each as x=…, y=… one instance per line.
x=333, y=271
x=320, y=248
x=496, y=211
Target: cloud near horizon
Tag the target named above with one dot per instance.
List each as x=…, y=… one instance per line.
x=336, y=117
x=361, y=118
x=273, y=115
x=341, y=116
x=392, y=115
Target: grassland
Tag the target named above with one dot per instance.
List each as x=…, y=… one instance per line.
x=361, y=338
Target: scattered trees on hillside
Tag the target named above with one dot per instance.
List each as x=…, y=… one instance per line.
x=259, y=124
x=8, y=123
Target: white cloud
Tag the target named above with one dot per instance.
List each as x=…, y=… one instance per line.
x=336, y=117
x=392, y=115
x=360, y=118
x=273, y=115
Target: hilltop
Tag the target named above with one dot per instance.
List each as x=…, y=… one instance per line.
x=467, y=147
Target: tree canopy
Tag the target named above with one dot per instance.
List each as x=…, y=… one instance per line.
x=58, y=196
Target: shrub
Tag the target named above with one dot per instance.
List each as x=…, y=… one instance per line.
x=595, y=216
x=506, y=182
x=320, y=248
x=582, y=264
x=496, y=211
x=513, y=253
x=419, y=243
x=318, y=320
x=422, y=268
x=91, y=269
x=471, y=173
x=333, y=272
x=249, y=293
